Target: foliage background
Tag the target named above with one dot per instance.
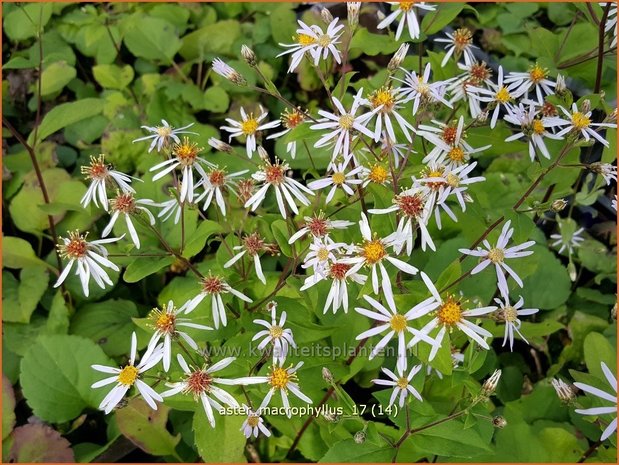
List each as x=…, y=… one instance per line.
x=109, y=68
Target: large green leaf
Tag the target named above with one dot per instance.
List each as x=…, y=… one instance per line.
x=18, y=253
x=26, y=20
x=19, y=300
x=224, y=442
x=152, y=38
x=146, y=428
x=56, y=376
x=39, y=443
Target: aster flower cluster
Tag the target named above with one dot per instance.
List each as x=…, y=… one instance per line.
x=408, y=142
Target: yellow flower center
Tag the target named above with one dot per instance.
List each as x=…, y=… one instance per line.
x=128, y=375
x=279, y=378
x=187, y=152
x=510, y=314
x=324, y=40
x=456, y=154
x=346, y=121
x=406, y=6
x=402, y=383
x=76, y=248
x=384, y=97
x=450, y=312
x=164, y=131
x=322, y=254
x=538, y=127
x=165, y=322
x=276, y=331
x=503, y=95
x=537, y=73
x=462, y=38
x=338, y=178
x=496, y=255
x=304, y=39
x=249, y=126
x=253, y=420
x=453, y=180
x=378, y=174
x=580, y=121
x=373, y=251
x=398, y=323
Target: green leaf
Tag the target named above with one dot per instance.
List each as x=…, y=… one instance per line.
x=8, y=407
x=281, y=234
x=39, y=443
x=451, y=439
x=18, y=253
x=349, y=451
x=113, y=76
x=550, y=274
x=216, y=38
x=26, y=20
x=146, y=428
x=65, y=114
x=216, y=99
x=141, y=267
x=56, y=376
x=373, y=44
x=151, y=38
x=226, y=435
x=283, y=24
x=56, y=76
x=198, y=238
x=444, y=14
x=598, y=349
x=19, y=302
x=108, y=323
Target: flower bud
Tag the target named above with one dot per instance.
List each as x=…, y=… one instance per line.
x=360, y=437
x=326, y=375
x=353, y=13
x=326, y=16
x=499, y=422
x=558, y=205
x=262, y=153
x=220, y=145
x=491, y=383
x=248, y=55
x=563, y=390
x=560, y=86
x=613, y=312
x=228, y=72
x=482, y=117
x=398, y=57
x=571, y=270
x=586, y=106
x=271, y=305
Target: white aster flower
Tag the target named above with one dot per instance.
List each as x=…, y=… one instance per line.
x=401, y=384
x=353, y=13
x=285, y=187
x=477, y=74
x=377, y=174
x=395, y=324
x=200, y=383
x=253, y=245
x=611, y=22
x=612, y=381
x=275, y=333
x=450, y=145
x=186, y=156
x=128, y=376
x=342, y=125
x=283, y=380
x=170, y=208
x=399, y=152
x=89, y=259
x=413, y=208
x=339, y=274
x=372, y=253
x=498, y=254
x=318, y=226
x=101, y=175
x=304, y=44
x=325, y=41
x=580, y=123
x=388, y=101
x=254, y=424
x=407, y=11
x=214, y=286
x=338, y=179
x=421, y=90
x=290, y=120
x=500, y=95
x=166, y=321
x=125, y=204
x=163, y=135
x=606, y=170
x=216, y=183
x=322, y=251
x=568, y=238
x=533, y=126
x=448, y=316
x=509, y=314
x=460, y=43
x=536, y=78
x=249, y=126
